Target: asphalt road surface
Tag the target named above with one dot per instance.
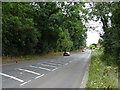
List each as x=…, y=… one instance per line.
x=54, y=72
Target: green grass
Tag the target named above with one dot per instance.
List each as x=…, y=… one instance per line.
x=30, y=57
x=34, y=57
x=101, y=73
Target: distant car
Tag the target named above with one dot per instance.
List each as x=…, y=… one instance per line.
x=83, y=50
x=66, y=54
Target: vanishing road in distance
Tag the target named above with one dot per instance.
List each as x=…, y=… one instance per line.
x=54, y=72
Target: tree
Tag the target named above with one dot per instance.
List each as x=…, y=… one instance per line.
x=42, y=27
x=92, y=46
x=109, y=12
x=100, y=41
x=19, y=34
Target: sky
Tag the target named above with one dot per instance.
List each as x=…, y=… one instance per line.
x=93, y=35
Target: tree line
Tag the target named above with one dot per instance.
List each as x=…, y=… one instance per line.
x=108, y=13
x=41, y=27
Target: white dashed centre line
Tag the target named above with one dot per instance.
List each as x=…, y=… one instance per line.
x=15, y=78
x=70, y=61
x=47, y=65
x=41, y=68
x=21, y=73
x=66, y=64
x=54, y=64
x=39, y=76
x=25, y=70
x=54, y=69
x=25, y=83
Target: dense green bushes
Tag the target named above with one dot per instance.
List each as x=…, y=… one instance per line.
x=103, y=72
x=35, y=28
x=108, y=13
x=112, y=34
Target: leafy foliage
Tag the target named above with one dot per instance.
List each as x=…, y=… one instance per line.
x=102, y=75
x=92, y=46
x=35, y=28
x=109, y=12
x=19, y=34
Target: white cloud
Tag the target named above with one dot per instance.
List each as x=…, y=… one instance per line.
x=92, y=37
x=94, y=27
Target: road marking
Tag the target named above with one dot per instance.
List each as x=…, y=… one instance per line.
x=41, y=68
x=70, y=61
x=47, y=65
x=15, y=78
x=39, y=76
x=66, y=64
x=21, y=73
x=54, y=63
x=85, y=78
x=28, y=71
x=25, y=82
x=54, y=69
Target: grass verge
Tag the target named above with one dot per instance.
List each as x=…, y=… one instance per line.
x=29, y=57
x=33, y=57
x=101, y=74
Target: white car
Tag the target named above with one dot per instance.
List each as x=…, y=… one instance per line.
x=66, y=54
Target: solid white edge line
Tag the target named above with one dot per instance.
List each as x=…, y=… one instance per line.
x=39, y=76
x=40, y=68
x=25, y=83
x=29, y=71
x=15, y=78
x=85, y=77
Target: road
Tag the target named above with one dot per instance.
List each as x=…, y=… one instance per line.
x=54, y=72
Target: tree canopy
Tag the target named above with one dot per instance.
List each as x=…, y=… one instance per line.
x=108, y=13
x=41, y=27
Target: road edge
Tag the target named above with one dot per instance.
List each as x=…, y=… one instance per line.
x=86, y=75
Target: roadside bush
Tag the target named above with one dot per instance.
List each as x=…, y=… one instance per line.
x=103, y=72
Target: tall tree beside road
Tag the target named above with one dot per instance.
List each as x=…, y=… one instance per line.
x=19, y=34
x=109, y=13
x=35, y=28
x=73, y=22
x=50, y=19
